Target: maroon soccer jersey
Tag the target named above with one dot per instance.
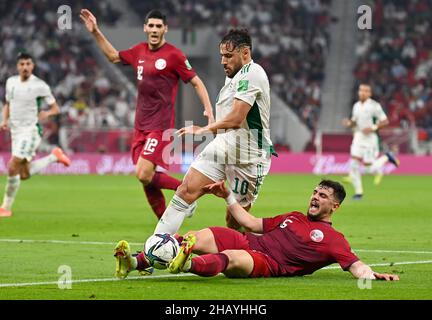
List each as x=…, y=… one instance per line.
x=301, y=246
x=157, y=73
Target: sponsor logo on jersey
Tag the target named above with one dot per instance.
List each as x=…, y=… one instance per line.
x=317, y=235
x=140, y=61
x=160, y=64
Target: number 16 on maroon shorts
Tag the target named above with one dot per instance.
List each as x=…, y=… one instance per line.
x=149, y=145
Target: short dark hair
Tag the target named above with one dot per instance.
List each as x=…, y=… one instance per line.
x=23, y=56
x=236, y=38
x=155, y=14
x=338, y=189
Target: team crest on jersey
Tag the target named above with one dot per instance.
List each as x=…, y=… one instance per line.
x=160, y=64
x=317, y=235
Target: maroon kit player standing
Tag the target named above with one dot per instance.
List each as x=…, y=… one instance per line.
x=291, y=244
x=158, y=65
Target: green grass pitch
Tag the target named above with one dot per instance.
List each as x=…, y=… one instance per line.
x=391, y=225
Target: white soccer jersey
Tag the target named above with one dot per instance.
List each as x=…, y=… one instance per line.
x=365, y=115
x=25, y=100
x=252, y=139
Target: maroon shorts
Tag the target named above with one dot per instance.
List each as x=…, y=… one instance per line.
x=229, y=239
x=149, y=145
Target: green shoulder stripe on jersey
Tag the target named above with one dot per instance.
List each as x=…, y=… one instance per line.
x=245, y=68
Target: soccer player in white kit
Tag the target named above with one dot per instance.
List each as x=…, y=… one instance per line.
x=241, y=153
x=367, y=118
x=24, y=95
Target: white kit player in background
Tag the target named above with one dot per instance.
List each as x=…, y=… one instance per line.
x=241, y=153
x=21, y=112
x=367, y=119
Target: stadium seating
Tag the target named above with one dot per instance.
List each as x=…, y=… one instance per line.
x=290, y=40
x=396, y=58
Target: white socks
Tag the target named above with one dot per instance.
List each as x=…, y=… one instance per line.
x=11, y=190
x=40, y=164
x=174, y=214
x=355, y=176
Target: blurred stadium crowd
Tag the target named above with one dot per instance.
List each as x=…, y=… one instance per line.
x=291, y=39
x=396, y=58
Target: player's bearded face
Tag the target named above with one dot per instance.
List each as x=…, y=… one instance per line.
x=230, y=59
x=25, y=68
x=321, y=204
x=155, y=29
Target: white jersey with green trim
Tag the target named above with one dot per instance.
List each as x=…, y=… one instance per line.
x=365, y=115
x=252, y=139
x=25, y=100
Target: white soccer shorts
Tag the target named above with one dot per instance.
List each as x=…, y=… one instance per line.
x=25, y=144
x=368, y=153
x=244, y=180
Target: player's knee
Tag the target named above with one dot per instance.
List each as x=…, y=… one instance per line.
x=144, y=175
x=186, y=193
x=13, y=167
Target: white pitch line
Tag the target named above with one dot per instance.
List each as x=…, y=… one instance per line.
x=140, y=244
x=66, y=242
x=392, y=251
x=28, y=284
x=388, y=264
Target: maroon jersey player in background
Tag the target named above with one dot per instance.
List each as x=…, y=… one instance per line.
x=159, y=66
x=291, y=244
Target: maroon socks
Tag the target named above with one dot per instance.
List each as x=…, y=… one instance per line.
x=209, y=265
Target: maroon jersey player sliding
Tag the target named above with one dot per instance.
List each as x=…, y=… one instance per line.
x=291, y=244
x=158, y=66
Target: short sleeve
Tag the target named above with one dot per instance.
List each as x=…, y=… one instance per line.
x=380, y=114
x=343, y=254
x=248, y=86
x=183, y=68
x=46, y=94
x=8, y=93
x=270, y=224
x=128, y=57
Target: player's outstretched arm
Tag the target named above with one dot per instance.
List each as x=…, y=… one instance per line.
x=244, y=218
x=361, y=270
x=203, y=95
x=5, y=117
x=91, y=24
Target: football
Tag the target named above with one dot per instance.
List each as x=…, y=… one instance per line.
x=160, y=249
